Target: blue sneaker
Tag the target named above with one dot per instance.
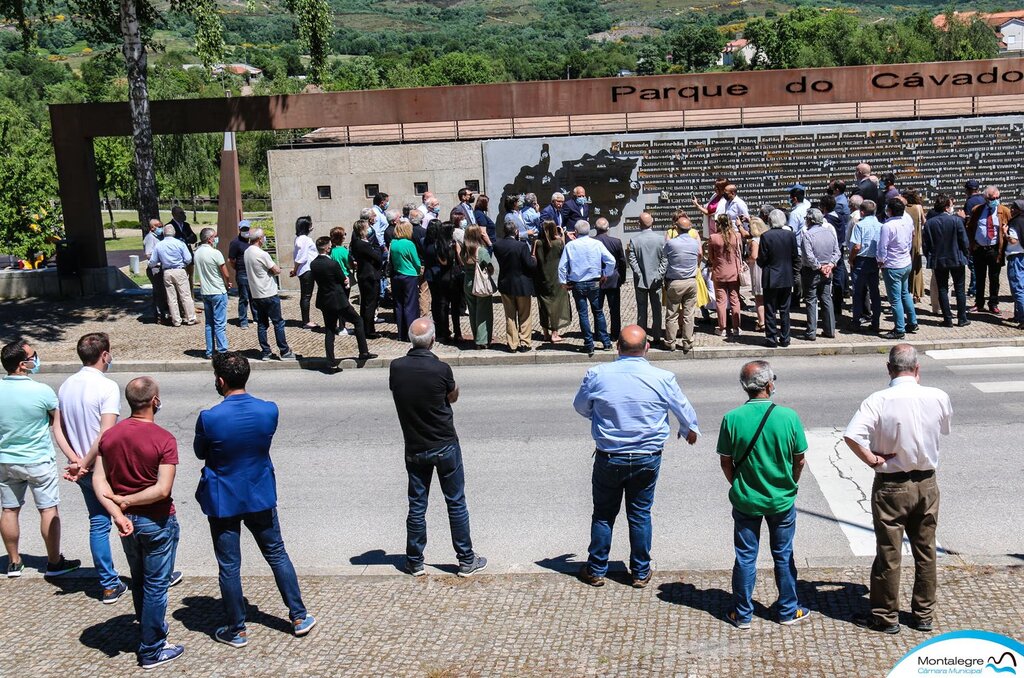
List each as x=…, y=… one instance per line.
x=111, y=596
x=175, y=578
x=469, y=569
x=167, y=655
x=228, y=637
x=734, y=619
x=303, y=626
x=802, y=613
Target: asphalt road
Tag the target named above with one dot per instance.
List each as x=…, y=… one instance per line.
x=342, y=483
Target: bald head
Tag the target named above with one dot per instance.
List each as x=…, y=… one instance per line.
x=646, y=220
x=601, y=225
x=141, y=393
x=421, y=333
x=155, y=224
x=863, y=170
x=633, y=341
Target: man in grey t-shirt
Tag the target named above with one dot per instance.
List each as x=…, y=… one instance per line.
x=266, y=304
x=682, y=255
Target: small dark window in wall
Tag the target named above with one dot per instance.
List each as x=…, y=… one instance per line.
x=473, y=185
x=323, y=192
x=420, y=187
x=371, y=190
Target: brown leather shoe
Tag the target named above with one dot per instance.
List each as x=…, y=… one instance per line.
x=587, y=577
x=642, y=583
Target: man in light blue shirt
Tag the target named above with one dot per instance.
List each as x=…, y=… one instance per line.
x=173, y=255
x=530, y=214
x=628, y=403
x=584, y=265
x=170, y=253
x=864, y=265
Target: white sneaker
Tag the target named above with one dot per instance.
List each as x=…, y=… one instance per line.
x=343, y=332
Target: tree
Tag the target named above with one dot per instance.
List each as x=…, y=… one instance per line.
x=695, y=47
x=650, y=59
x=459, y=68
x=114, y=172
x=188, y=164
x=964, y=39
x=130, y=23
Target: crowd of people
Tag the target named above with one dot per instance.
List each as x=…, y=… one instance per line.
x=811, y=254
x=126, y=471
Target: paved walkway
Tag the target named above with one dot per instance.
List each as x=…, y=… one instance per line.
x=508, y=625
x=56, y=326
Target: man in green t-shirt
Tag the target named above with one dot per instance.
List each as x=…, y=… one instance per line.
x=761, y=447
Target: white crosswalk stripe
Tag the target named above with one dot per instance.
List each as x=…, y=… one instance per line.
x=969, y=364
x=999, y=386
x=977, y=353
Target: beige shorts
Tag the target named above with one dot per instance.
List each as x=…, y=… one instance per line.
x=43, y=479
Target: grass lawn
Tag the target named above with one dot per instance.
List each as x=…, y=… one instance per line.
x=125, y=242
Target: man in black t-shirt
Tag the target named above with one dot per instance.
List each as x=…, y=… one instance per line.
x=424, y=389
x=236, y=259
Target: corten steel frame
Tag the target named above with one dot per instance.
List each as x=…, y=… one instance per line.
x=76, y=125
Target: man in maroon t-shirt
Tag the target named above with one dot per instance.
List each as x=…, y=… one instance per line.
x=133, y=479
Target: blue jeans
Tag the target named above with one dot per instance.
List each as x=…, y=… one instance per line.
x=265, y=529
x=99, y=535
x=865, y=285
x=150, y=551
x=897, y=289
x=242, y=282
x=588, y=298
x=420, y=466
x=215, y=308
x=746, y=537
x=1015, y=273
x=268, y=311
x=614, y=475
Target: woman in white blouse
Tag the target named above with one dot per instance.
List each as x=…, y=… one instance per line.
x=305, y=253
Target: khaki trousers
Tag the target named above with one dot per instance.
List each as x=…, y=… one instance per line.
x=176, y=286
x=910, y=506
x=518, y=321
x=680, y=299
x=424, y=299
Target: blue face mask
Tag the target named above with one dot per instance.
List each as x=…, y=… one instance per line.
x=993, y=204
x=216, y=240
x=581, y=201
x=35, y=364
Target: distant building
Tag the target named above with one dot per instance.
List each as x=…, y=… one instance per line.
x=734, y=47
x=1008, y=26
x=249, y=73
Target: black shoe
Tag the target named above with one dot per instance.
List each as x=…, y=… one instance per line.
x=912, y=328
x=922, y=625
x=366, y=356
x=61, y=567
x=771, y=343
x=893, y=334
x=806, y=337
x=963, y=323
x=784, y=344
x=587, y=577
x=828, y=336
x=868, y=621
x=373, y=335
x=947, y=323
x=523, y=349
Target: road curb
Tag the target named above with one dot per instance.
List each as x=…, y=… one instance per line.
x=559, y=357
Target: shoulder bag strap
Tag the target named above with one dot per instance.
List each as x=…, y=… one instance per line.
x=753, y=441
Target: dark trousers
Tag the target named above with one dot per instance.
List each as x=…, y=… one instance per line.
x=331, y=319
x=910, y=506
x=405, y=291
x=156, y=279
x=652, y=297
x=369, y=298
x=776, y=304
x=226, y=533
x=420, y=467
x=305, y=295
x=614, y=299
x=987, y=269
x=615, y=476
x=244, y=298
x=942, y=276
x=443, y=311
x=267, y=311
x=818, y=296
x=865, y=285
x=840, y=283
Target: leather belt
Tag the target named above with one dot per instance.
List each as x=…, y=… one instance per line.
x=906, y=476
x=605, y=455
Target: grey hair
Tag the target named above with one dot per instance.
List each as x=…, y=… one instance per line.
x=393, y=216
x=903, y=358
x=814, y=216
x=990, y=189
x=155, y=222
x=169, y=230
x=755, y=376
x=206, y=234
x=555, y=196
x=255, y=235
x=856, y=201
x=868, y=207
x=367, y=214
x=422, y=340
x=765, y=210
x=777, y=218
x=582, y=227
x=601, y=225
x=415, y=218
x=511, y=227
x=530, y=198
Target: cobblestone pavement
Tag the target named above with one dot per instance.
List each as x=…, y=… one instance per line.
x=55, y=327
x=509, y=625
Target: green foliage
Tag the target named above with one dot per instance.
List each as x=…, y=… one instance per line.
x=695, y=47
x=115, y=174
x=187, y=164
x=459, y=68
x=313, y=19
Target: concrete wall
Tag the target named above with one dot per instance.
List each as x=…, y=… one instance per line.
x=295, y=175
x=44, y=283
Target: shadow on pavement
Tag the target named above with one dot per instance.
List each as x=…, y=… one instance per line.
x=203, y=614
x=838, y=600
x=52, y=320
x=715, y=602
x=114, y=636
x=380, y=557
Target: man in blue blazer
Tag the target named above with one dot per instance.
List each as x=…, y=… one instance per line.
x=553, y=212
x=576, y=209
x=238, y=486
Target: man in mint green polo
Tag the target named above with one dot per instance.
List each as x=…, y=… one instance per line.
x=761, y=448
x=28, y=414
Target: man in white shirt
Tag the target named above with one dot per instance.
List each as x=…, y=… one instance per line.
x=896, y=432
x=266, y=304
x=798, y=212
x=733, y=206
x=424, y=207
x=89, y=404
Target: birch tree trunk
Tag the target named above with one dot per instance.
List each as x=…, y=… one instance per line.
x=138, y=102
